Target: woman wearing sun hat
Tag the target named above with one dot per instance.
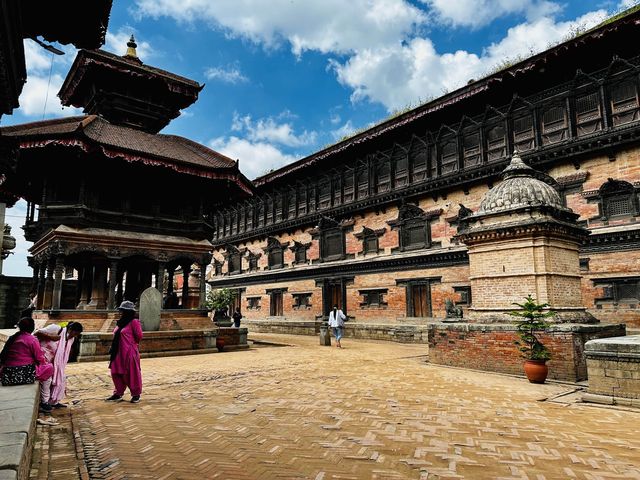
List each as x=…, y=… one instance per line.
x=124, y=360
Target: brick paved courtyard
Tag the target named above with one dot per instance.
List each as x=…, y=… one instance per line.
x=370, y=410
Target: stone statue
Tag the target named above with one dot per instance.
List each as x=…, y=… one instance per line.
x=453, y=311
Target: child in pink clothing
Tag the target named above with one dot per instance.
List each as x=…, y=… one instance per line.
x=21, y=359
x=124, y=360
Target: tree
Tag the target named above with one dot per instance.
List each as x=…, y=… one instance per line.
x=531, y=320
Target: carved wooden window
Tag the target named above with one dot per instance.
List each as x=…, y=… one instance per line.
x=433, y=161
x=370, y=243
x=349, y=193
x=276, y=304
x=235, y=262
x=619, y=290
x=312, y=198
x=619, y=205
x=269, y=204
x=253, y=262
x=383, y=176
x=523, y=133
x=624, y=103
x=276, y=258
x=302, y=201
x=232, y=223
x=401, y=167
x=449, y=157
x=332, y=244
x=248, y=211
x=279, y=207
x=324, y=195
x=471, y=149
x=300, y=254
x=217, y=268
x=363, y=181
x=418, y=157
x=415, y=234
x=588, y=114
x=618, y=199
x=554, y=125
x=337, y=190
x=260, y=212
x=496, y=143
x=373, y=298
x=291, y=204
x=301, y=301
x=253, y=303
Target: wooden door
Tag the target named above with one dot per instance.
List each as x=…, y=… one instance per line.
x=420, y=301
x=276, y=304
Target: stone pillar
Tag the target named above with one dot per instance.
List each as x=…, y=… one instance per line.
x=186, y=270
x=40, y=288
x=85, y=286
x=57, y=283
x=48, y=287
x=203, y=285
x=113, y=281
x=99, y=287
x=119, y=289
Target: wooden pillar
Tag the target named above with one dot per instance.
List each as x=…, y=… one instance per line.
x=186, y=270
x=160, y=277
x=113, y=282
x=48, y=286
x=119, y=288
x=99, y=286
x=203, y=285
x=57, y=282
x=40, y=289
x=85, y=286
x=170, y=281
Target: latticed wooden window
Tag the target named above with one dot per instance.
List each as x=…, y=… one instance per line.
x=383, y=177
x=449, y=158
x=260, y=213
x=301, y=300
x=324, y=196
x=279, y=207
x=337, y=190
x=619, y=205
x=249, y=216
x=433, y=161
x=253, y=303
x=471, y=149
x=620, y=290
x=588, y=114
x=373, y=298
x=302, y=201
x=291, y=204
x=363, y=182
x=348, y=187
x=523, y=133
x=624, y=103
x=401, y=167
x=496, y=143
x=332, y=244
x=418, y=156
x=554, y=125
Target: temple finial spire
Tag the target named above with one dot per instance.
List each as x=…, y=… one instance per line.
x=131, y=49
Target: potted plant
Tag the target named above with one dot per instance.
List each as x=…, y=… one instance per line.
x=218, y=301
x=531, y=319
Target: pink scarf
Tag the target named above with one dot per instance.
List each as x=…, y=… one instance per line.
x=59, y=383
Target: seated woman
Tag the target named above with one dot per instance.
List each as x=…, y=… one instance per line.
x=21, y=359
x=56, y=343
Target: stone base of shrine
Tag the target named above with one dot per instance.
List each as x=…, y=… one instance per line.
x=105, y=320
x=491, y=347
x=614, y=371
x=394, y=332
x=94, y=346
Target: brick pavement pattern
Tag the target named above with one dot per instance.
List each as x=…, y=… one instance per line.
x=367, y=411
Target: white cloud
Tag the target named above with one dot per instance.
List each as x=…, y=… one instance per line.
x=345, y=130
x=229, y=74
x=256, y=158
x=400, y=75
x=34, y=94
x=624, y=4
x=477, y=13
x=117, y=43
x=326, y=26
x=267, y=129
x=16, y=264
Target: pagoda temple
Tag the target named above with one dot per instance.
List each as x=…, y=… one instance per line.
x=114, y=207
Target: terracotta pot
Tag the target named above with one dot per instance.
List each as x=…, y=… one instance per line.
x=536, y=370
x=220, y=343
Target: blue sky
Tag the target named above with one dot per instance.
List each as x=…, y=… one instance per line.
x=286, y=77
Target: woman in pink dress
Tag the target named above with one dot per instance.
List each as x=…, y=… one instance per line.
x=124, y=360
x=21, y=359
x=56, y=343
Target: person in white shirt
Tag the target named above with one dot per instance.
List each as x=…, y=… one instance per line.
x=336, y=322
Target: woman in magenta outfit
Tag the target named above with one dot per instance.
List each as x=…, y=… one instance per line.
x=124, y=360
x=22, y=360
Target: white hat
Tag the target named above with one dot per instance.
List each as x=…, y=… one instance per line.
x=127, y=305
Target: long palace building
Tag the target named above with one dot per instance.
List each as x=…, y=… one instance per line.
x=370, y=223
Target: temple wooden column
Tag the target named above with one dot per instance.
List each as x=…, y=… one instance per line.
x=40, y=288
x=48, y=286
x=119, y=288
x=85, y=287
x=113, y=282
x=186, y=270
x=170, y=281
x=203, y=285
x=57, y=282
x=99, y=287
x=160, y=277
